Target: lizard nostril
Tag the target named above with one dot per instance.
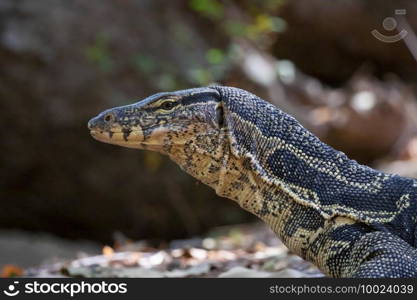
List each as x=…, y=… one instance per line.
x=90, y=124
x=108, y=118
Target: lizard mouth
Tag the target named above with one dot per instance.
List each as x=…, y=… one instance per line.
x=130, y=139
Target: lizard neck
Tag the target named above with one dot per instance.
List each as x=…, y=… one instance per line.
x=213, y=161
x=203, y=154
x=273, y=167
x=283, y=154
x=298, y=185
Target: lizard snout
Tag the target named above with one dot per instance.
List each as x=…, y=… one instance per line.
x=103, y=121
x=92, y=124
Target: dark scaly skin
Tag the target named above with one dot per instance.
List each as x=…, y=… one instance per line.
x=348, y=219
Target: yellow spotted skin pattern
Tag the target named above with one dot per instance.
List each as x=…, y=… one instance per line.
x=346, y=218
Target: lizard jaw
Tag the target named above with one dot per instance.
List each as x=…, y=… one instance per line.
x=132, y=139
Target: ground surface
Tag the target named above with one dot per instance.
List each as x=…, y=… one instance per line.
x=234, y=251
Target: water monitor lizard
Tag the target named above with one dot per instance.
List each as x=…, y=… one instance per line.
x=348, y=219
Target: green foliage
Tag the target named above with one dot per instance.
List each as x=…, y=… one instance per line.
x=144, y=63
x=215, y=56
x=99, y=53
x=166, y=82
x=235, y=28
x=162, y=74
x=261, y=25
x=209, y=8
x=218, y=61
x=201, y=76
x=253, y=20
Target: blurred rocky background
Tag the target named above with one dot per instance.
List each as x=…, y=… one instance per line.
x=61, y=62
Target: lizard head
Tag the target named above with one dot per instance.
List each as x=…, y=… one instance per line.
x=161, y=121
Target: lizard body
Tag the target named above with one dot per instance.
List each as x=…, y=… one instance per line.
x=348, y=219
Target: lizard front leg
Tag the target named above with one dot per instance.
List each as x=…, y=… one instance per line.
x=356, y=250
x=382, y=254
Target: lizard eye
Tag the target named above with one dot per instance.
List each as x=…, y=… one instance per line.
x=168, y=105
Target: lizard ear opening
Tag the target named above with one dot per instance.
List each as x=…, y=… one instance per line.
x=220, y=116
